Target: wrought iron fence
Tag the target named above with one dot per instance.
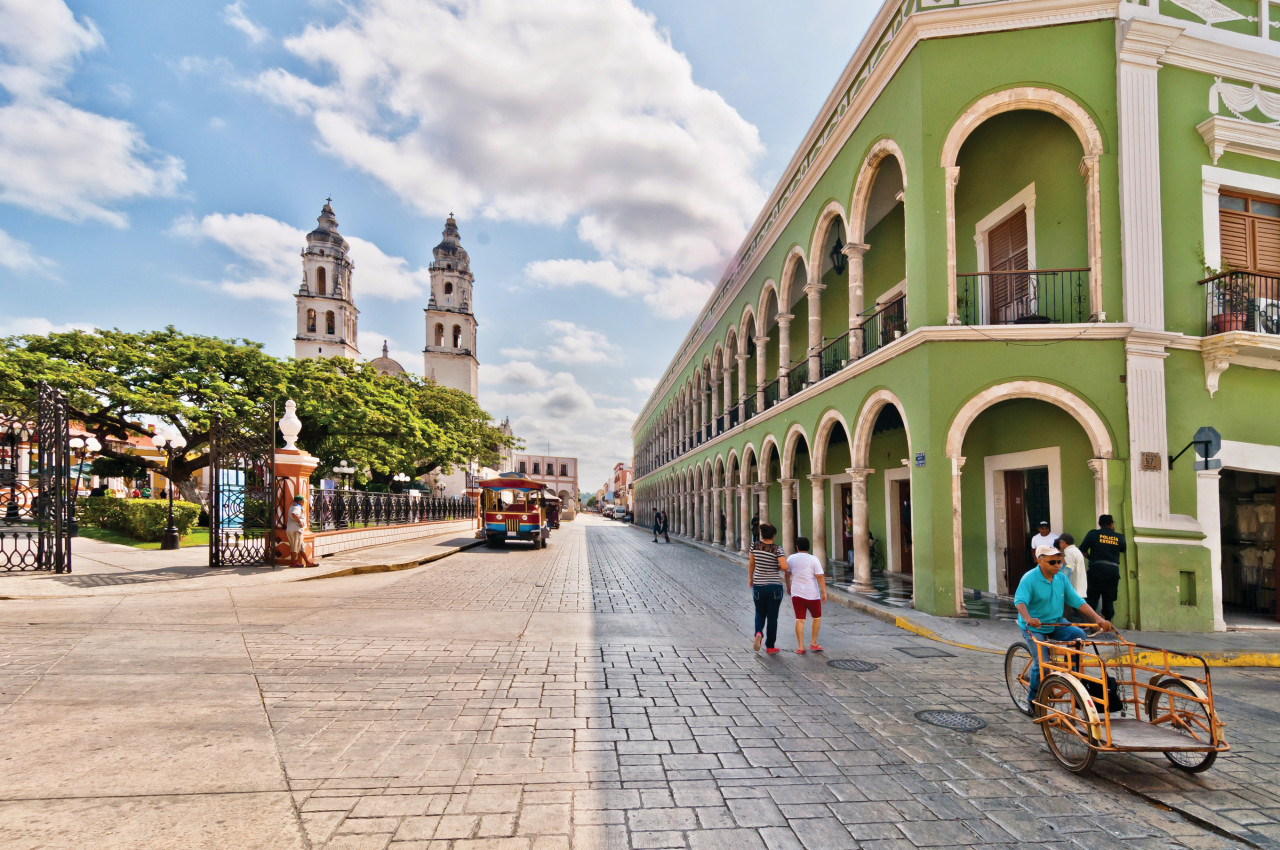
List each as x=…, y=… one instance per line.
x=1023, y=297
x=1243, y=301
x=734, y=416
x=771, y=393
x=36, y=503
x=834, y=356
x=749, y=405
x=797, y=377
x=720, y=420
x=884, y=325
x=342, y=509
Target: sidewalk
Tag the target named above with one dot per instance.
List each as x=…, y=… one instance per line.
x=1252, y=648
x=109, y=569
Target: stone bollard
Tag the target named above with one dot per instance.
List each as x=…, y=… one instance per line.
x=293, y=468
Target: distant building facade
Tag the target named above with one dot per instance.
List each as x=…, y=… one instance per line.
x=560, y=474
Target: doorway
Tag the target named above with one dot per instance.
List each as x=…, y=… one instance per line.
x=1250, y=565
x=904, y=525
x=1026, y=502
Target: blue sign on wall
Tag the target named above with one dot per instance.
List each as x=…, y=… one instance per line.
x=919, y=458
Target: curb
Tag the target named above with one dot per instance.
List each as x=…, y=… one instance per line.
x=391, y=568
x=1212, y=657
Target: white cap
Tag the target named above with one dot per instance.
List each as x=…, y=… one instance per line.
x=1041, y=551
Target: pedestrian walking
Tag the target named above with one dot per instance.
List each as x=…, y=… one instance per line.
x=1103, y=547
x=1074, y=564
x=296, y=530
x=657, y=524
x=1043, y=593
x=724, y=525
x=755, y=529
x=765, y=565
x=807, y=584
x=663, y=527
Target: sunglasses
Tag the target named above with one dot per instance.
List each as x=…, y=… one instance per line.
x=1053, y=562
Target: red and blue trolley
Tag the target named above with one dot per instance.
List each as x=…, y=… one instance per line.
x=513, y=507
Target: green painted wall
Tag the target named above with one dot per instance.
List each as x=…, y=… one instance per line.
x=885, y=264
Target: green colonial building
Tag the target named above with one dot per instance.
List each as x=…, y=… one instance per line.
x=1026, y=250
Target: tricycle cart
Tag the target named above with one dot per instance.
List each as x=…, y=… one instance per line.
x=1085, y=683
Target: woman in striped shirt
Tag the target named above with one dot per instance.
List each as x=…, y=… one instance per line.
x=765, y=565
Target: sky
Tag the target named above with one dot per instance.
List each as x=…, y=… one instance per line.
x=161, y=163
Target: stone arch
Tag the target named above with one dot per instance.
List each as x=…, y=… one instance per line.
x=822, y=436
x=867, y=414
x=748, y=315
x=749, y=457
x=1079, y=409
x=831, y=213
x=762, y=308
x=762, y=461
x=794, y=435
x=795, y=257
x=861, y=198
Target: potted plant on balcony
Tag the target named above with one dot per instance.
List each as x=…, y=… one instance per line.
x=1233, y=298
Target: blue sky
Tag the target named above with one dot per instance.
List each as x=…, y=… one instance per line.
x=160, y=161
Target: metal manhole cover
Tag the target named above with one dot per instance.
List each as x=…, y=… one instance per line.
x=924, y=652
x=956, y=720
x=855, y=664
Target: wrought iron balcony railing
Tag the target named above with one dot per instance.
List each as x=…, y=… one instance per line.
x=797, y=377
x=884, y=325
x=749, y=405
x=1243, y=301
x=771, y=393
x=1023, y=297
x=340, y=509
x=834, y=356
x=734, y=416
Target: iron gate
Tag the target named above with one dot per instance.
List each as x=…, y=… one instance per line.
x=242, y=516
x=36, y=504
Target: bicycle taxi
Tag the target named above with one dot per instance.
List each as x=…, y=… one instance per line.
x=553, y=505
x=513, y=507
x=1085, y=683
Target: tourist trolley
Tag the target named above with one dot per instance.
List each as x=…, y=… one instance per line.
x=513, y=507
x=553, y=503
x=1115, y=696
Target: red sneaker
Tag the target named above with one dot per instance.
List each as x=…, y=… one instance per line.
x=756, y=644
x=813, y=647
x=773, y=650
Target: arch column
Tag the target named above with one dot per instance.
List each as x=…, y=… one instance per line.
x=813, y=292
x=861, y=530
x=715, y=402
x=784, y=352
x=856, y=252
x=788, y=530
x=952, y=178
x=726, y=378
x=762, y=372
x=762, y=501
x=819, y=538
x=957, y=538
x=742, y=386
x=744, y=518
x=1101, y=501
x=720, y=510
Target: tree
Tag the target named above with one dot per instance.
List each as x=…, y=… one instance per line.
x=117, y=383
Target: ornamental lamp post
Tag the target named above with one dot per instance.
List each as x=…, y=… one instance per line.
x=79, y=446
x=401, y=479
x=839, y=262
x=345, y=469
x=172, y=443
x=440, y=489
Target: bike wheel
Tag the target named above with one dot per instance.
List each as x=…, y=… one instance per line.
x=1066, y=732
x=1186, y=716
x=1017, y=673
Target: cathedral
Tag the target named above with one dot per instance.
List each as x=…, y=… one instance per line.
x=328, y=318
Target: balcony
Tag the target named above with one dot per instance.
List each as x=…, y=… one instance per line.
x=797, y=377
x=834, y=357
x=771, y=393
x=1023, y=297
x=749, y=405
x=887, y=323
x=1242, y=301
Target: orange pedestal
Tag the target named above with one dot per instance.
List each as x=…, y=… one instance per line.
x=293, y=469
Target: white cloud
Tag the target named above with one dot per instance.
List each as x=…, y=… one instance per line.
x=268, y=266
x=582, y=114
x=644, y=385
x=670, y=296
x=569, y=343
x=36, y=325
x=235, y=16
x=553, y=407
x=56, y=159
x=20, y=257
x=216, y=123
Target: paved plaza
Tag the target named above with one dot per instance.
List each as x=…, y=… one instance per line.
x=601, y=693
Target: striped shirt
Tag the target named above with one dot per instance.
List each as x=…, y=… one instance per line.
x=766, y=557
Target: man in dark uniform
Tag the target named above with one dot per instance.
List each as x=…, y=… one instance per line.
x=1103, y=547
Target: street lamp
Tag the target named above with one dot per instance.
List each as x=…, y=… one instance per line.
x=440, y=489
x=171, y=443
x=401, y=479
x=80, y=446
x=345, y=469
x=18, y=435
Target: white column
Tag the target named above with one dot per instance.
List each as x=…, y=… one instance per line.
x=744, y=518
x=856, y=251
x=1145, y=388
x=952, y=178
x=1101, y=492
x=818, y=537
x=957, y=536
x=814, y=293
x=727, y=403
x=788, y=530
x=1093, y=215
x=1209, y=512
x=762, y=497
x=715, y=401
x=784, y=351
x=861, y=530
x=761, y=373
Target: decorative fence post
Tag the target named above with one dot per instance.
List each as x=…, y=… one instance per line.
x=293, y=468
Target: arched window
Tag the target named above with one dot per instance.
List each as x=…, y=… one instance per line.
x=448, y=288
x=457, y=336
x=311, y=321
x=330, y=322
x=439, y=336
x=320, y=288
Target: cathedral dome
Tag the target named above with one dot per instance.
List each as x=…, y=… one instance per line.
x=384, y=364
x=450, y=252
x=326, y=231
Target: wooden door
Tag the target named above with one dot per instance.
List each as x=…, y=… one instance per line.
x=1275, y=579
x=1007, y=250
x=1016, y=560
x=846, y=521
x=904, y=525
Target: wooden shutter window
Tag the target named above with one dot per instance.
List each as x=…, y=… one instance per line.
x=1249, y=230
x=1234, y=233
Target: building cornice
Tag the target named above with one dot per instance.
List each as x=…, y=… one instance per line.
x=1232, y=134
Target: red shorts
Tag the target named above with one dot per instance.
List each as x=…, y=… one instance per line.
x=812, y=607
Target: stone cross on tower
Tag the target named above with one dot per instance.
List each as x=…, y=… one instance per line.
x=327, y=314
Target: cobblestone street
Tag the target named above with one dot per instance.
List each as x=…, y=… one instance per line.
x=601, y=693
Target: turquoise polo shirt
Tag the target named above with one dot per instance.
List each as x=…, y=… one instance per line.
x=1045, y=599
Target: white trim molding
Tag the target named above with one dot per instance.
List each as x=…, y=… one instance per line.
x=893, y=479
x=1244, y=137
x=1050, y=457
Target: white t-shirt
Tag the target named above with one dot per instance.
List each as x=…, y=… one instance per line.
x=805, y=570
x=1042, y=540
x=295, y=518
x=1073, y=560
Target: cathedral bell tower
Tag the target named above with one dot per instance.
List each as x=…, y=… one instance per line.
x=327, y=314
x=450, y=356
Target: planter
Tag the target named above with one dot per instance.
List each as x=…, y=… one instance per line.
x=1224, y=322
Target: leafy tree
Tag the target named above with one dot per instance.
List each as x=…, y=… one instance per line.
x=118, y=382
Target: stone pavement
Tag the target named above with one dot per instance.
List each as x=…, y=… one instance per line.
x=110, y=569
x=601, y=693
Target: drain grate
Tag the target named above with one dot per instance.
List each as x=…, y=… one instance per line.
x=958, y=721
x=924, y=652
x=855, y=664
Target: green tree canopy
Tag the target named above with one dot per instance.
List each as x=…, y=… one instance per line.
x=117, y=382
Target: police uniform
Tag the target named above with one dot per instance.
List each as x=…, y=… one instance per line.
x=1103, y=547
